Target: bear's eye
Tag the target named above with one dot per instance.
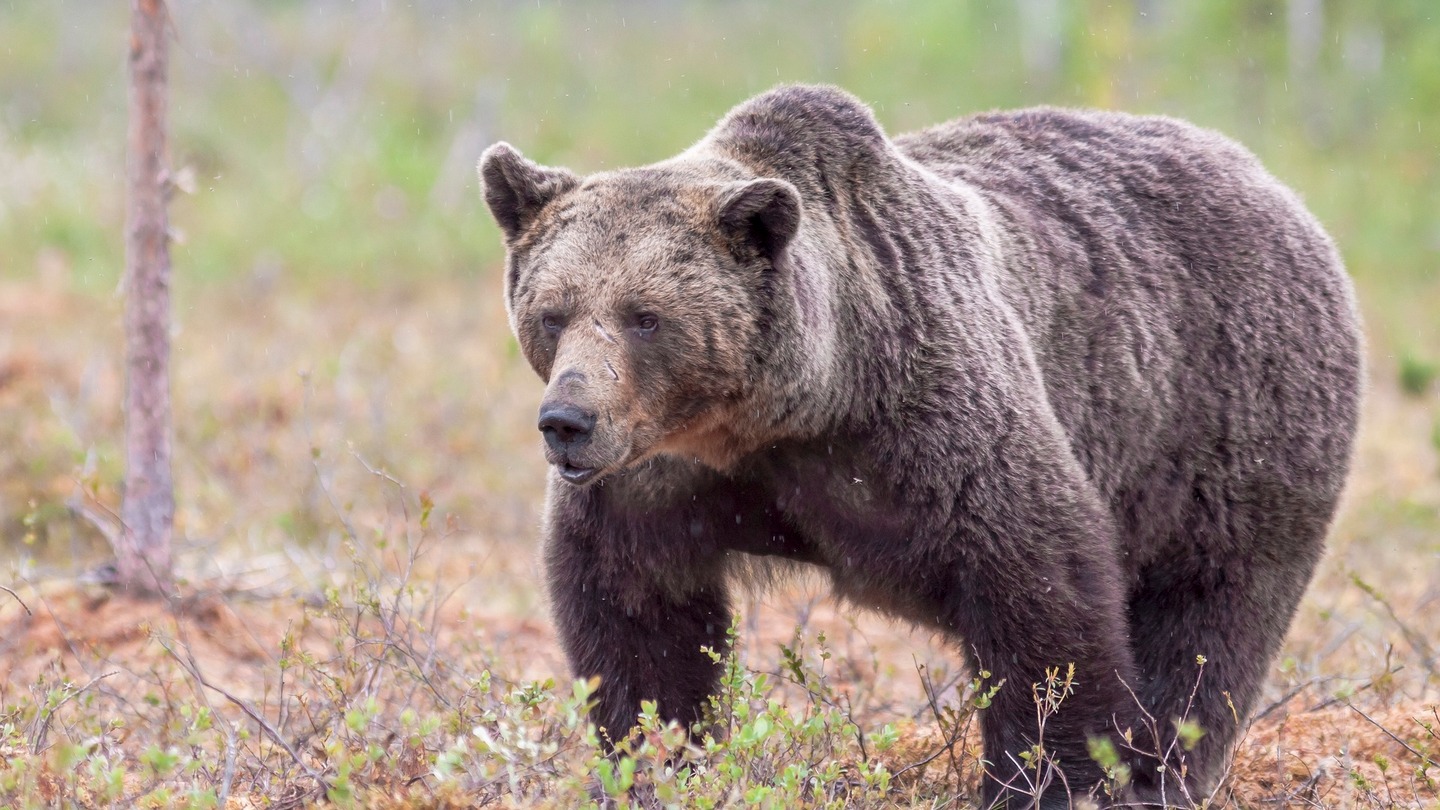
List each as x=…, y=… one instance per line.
x=553, y=323
x=646, y=323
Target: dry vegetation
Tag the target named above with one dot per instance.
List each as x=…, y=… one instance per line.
x=360, y=620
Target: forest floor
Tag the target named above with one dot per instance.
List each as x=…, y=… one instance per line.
x=359, y=618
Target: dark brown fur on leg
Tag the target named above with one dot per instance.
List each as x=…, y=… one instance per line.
x=643, y=646
x=636, y=583
x=1234, y=615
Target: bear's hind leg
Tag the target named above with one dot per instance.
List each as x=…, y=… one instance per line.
x=1230, y=602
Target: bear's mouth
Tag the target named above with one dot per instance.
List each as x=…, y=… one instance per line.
x=576, y=475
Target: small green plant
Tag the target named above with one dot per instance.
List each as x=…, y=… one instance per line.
x=1153, y=744
x=1417, y=373
x=1189, y=733
x=1042, y=775
x=955, y=721
x=1117, y=772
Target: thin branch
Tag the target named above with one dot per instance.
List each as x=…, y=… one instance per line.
x=315, y=462
x=18, y=599
x=1417, y=640
x=951, y=737
x=38, y=738
x=227, y=781
x=252, y=713
x=106, y=522
x=1336, y=701
x=1388, y=733
x=1287, y=697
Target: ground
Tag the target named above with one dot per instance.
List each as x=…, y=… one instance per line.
x=359, y=484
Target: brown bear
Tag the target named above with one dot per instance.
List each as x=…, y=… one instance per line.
x=1070, y=387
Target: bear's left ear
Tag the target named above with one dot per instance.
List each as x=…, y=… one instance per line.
x=517, y=189
x=758, y=215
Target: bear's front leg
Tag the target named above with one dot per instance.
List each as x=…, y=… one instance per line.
x=1035, y=585
x=636, y=582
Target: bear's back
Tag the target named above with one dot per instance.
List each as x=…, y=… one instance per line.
x=1185, y=309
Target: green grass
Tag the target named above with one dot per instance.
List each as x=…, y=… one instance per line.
x=336, y=142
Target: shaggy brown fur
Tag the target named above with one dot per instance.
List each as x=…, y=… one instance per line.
x=1072, y=387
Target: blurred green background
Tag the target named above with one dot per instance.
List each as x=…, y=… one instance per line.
x=333, y=141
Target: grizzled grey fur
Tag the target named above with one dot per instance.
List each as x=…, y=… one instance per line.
x=1069, y=387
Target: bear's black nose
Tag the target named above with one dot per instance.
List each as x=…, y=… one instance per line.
x=566, y=427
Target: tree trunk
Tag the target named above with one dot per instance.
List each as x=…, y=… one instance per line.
x=148, y=511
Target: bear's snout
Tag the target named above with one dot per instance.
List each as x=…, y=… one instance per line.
x=566, y=427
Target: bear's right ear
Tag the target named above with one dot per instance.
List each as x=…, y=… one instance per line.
x=517, y=189
x=758, y=215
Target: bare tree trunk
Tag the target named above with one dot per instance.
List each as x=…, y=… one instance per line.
x=143, y=547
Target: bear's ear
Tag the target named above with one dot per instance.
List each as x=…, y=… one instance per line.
x=758, y=215
x=517, y=190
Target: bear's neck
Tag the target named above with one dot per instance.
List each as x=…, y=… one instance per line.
x=890, y=260
x=889, y=263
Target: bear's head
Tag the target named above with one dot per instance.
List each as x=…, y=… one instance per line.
x=642, y=298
